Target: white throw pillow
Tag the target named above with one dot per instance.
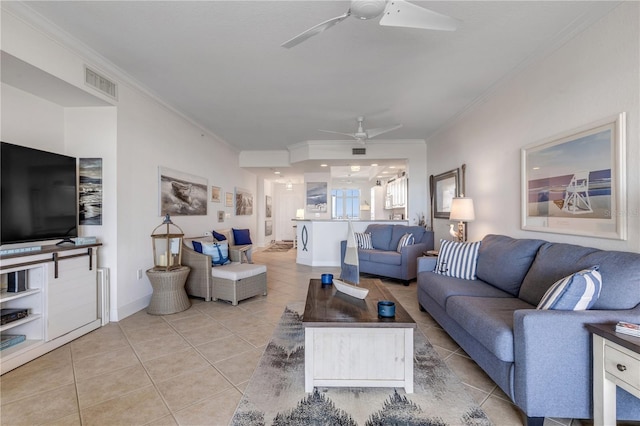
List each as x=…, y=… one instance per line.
x=577, y=292
x=458, y=260
x=406, y=240
x=363, y=239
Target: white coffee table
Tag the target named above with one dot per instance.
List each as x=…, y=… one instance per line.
x=347, y=345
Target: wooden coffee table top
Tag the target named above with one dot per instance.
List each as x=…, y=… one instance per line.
x=327, y=307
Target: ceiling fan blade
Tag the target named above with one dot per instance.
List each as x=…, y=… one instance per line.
x=400, y=13
x=351, y=135
x=372, y=133
x=315, y=30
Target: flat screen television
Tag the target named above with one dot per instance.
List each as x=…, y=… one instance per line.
x=39, y=195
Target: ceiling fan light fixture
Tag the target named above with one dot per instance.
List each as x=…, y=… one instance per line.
x=367, y=9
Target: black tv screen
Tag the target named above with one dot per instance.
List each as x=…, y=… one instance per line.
x=39, y=195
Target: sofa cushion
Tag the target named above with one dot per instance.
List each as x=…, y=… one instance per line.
x=577, y=292
x=504, y=261
x=441, y=287
x=380, y=236
x=620, y=273
x=385, y=257
x=398, y=231
x=458, y=259
x=364, y=254
x=489, y=320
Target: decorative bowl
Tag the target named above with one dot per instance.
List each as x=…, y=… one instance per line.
x=351, y=290
x=326, y=279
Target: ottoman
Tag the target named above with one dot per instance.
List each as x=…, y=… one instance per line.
x=238, y=281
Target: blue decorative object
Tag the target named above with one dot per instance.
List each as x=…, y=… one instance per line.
x=241, y=237
x=197, y=246
x=326, y=279
x=386, y=309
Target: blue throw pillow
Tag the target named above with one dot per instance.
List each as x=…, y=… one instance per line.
x=218, y=236
x=241, y=237
x=577, y=292
x=197, y=246
x=458, y=260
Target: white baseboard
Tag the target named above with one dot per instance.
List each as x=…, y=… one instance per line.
x=120, y=313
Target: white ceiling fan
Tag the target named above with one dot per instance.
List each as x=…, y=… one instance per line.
x=361, y=135
x=395, y=13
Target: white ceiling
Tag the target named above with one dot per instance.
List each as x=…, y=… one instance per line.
x=220, y=62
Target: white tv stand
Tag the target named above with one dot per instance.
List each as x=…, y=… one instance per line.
x=61, y=296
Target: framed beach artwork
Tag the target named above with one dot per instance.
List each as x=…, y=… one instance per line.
x=575, y=183
x=181, y=194
x=220, y=215
x=445, y=189
x=216, y=192
x=244, y=202
x=317, y=197
x=228, y=199
x=90, y=188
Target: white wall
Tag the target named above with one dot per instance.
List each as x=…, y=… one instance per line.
x=134, y=137
x=593, y=76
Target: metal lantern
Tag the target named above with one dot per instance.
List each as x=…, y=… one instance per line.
x=167, y=247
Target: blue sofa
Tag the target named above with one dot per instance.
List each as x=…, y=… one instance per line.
x=542, y=359
x=384, y=259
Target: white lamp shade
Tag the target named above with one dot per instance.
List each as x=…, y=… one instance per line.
x=462, y=209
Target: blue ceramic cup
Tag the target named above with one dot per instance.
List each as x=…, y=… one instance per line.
x=386, y=309
x=326, y=279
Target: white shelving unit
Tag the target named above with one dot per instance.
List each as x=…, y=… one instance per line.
x=61, y=298
x=32, y=299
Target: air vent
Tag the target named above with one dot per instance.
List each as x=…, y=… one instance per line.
x=100, y=83
x=358, y=151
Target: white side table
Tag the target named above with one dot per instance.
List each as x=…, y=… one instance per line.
x=616, y=362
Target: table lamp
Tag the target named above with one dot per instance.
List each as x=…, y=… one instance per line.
x=462, y=211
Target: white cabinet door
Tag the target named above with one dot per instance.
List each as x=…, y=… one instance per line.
x=72, y=298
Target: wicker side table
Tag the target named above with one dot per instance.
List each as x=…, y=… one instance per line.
x=169, y=295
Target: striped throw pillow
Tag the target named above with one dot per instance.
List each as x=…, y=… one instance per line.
x=406, y=240
x=577, y=292
x=458, y=260
x=363, y=239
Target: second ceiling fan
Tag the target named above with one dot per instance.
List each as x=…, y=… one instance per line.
x=361, y=135
x=395, y=13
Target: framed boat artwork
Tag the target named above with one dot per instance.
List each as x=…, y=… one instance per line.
x=181, y=194
x=575, y=182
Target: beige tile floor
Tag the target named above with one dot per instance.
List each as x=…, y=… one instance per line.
x=191, y=368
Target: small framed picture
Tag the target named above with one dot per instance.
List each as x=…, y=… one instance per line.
x=220, y=215
x=215, y=194
x=228, y=199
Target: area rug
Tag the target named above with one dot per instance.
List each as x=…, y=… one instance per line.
x=275, y=394
x=277, y=247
